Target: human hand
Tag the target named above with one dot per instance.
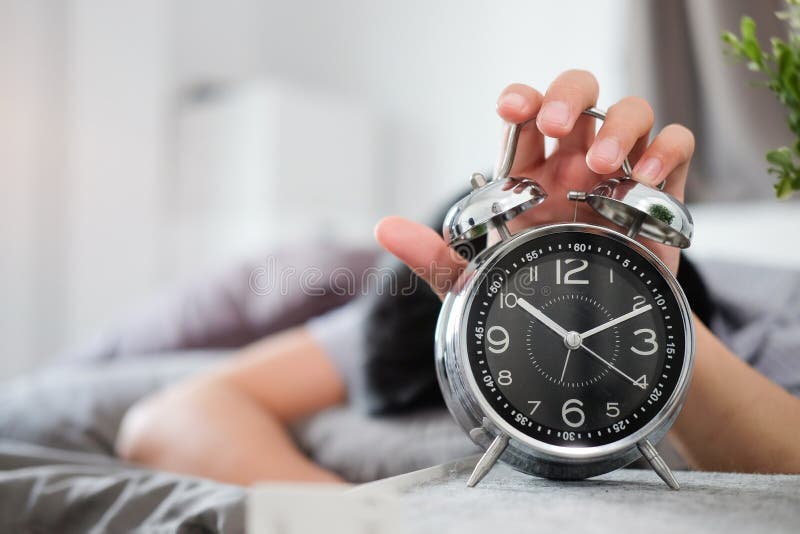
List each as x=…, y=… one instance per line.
x=582, y=158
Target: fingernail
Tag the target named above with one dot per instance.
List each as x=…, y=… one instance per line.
x=606, y=150
x=555, y=113
x=513, y=100
x=649, y=169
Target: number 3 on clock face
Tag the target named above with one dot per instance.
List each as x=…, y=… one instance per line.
x=574, y=338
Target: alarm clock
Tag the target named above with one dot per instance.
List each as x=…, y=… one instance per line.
x=565, y=350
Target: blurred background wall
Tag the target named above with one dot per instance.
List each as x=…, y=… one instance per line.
x=144, y=142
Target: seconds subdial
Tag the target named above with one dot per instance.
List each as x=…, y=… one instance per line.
x=555, y=356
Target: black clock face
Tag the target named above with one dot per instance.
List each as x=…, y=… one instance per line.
x=575, y=339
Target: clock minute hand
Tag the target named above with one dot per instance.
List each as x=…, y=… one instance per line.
x=613, y=322
x=539, y=314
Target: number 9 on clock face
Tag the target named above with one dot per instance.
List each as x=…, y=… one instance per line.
x=574, y=338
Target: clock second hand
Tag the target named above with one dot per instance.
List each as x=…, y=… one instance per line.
x=608, y=364
x=566, y=361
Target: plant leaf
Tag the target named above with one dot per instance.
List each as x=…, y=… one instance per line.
x=747, y=26
x=783, y=189
x=780, y=67
x=780, y=157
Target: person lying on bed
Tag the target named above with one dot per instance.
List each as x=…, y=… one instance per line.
x=231, y=423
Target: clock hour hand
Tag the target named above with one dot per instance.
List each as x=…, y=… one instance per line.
x=539, y=314
x=614, y=322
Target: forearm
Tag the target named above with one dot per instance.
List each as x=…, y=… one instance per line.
x=230, y=423
x=735, y=419
x=209, y=429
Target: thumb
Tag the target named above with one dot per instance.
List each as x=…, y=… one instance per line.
x=422, y=250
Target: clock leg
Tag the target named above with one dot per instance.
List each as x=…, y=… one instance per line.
x=657, y=463
x=488, y=459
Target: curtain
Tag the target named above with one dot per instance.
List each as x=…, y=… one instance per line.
x=677, y=61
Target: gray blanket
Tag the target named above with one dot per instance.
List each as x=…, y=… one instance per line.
x=58, y=472
x=52, y=490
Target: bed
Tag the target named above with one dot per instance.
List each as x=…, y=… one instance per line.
x=57, y=427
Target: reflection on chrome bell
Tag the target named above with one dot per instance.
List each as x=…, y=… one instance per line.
x=641, y=209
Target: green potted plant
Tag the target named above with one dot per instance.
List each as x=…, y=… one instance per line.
x=780, y=66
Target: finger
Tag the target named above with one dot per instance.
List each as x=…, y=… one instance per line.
x=519, y=103
x=582, y=135
x=566, y=98
x=422, y=250
x=626, y=122
x=667, y=158
x=638, y=148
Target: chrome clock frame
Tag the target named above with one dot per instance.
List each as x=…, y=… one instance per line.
x=504, y=442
